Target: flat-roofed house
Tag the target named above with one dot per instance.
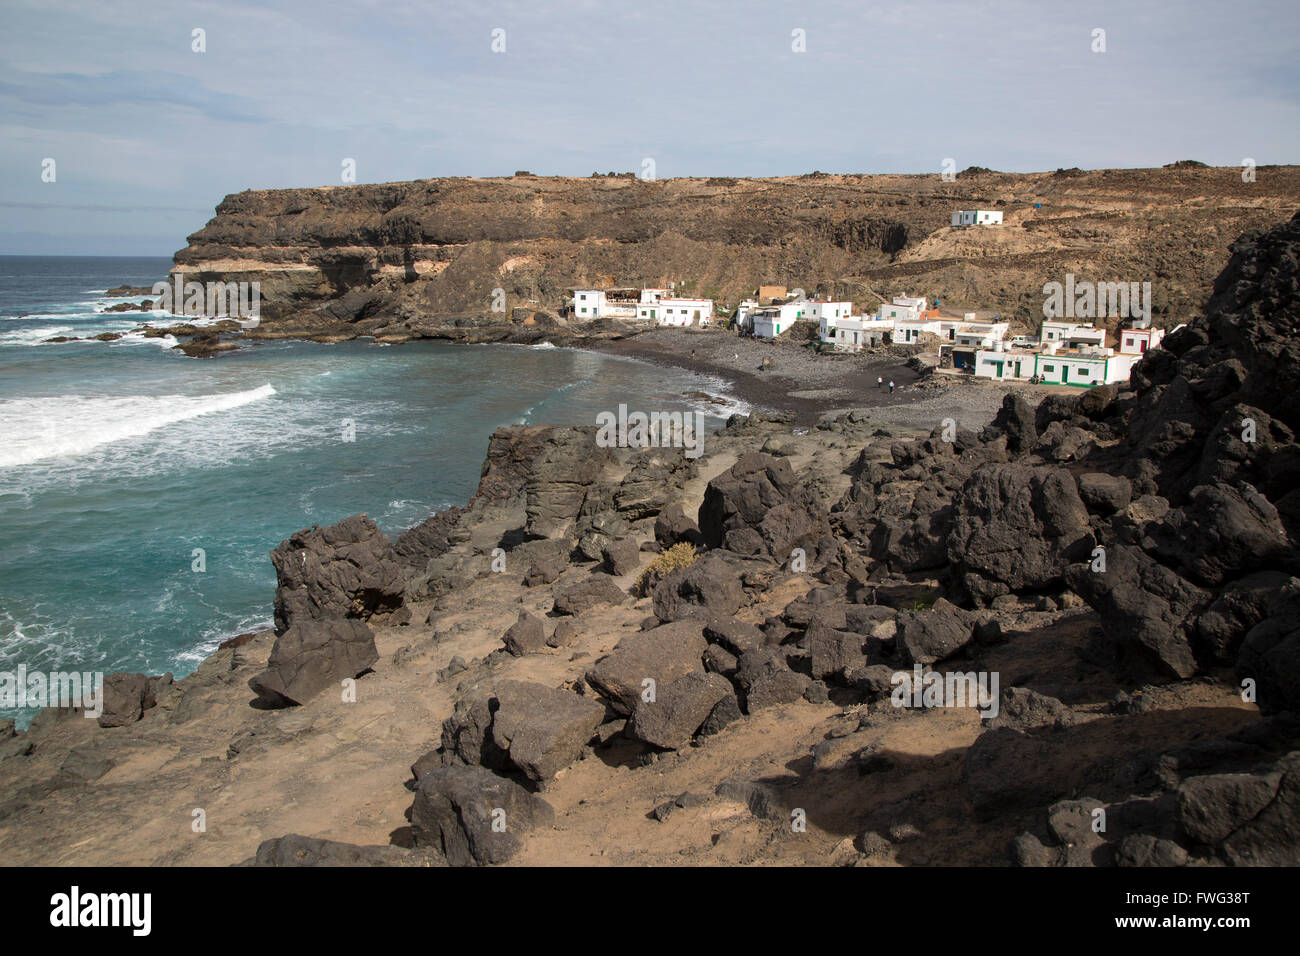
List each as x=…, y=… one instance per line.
x=1137, y=341
x=827, y=315
x=969, y=338
x=677, y=311
x=767, y=322
x=1084, y=367
x=976, y=217
x=588, y=303
x=1005, y=364
x=1071, y=334
x=852, y=333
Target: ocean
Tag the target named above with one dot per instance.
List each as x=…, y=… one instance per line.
x=141, y=490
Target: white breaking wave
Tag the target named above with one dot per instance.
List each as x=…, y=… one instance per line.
x=722, y=405
x=32, y=429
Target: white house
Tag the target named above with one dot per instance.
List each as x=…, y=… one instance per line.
x=855, y=331
x=902, y=309
x=979, y=335
x=1071, y=334
x=678, y=312
x=1083, y=367
x=969, y=338
x=769, y=321
x=588, y=303
x=1003, y=365
x=824, y=310
x=605, y=303
x=909, y=331
x=1137, y=341
x=828, y=314
x=976, y=217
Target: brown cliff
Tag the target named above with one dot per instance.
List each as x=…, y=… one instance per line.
x=423, y=258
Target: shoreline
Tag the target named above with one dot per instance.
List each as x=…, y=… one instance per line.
x=810, y=385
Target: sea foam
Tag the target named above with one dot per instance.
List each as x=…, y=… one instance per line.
x=32, y=429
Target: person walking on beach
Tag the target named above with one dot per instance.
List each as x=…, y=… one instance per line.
x=891, y=386
x=880, y=382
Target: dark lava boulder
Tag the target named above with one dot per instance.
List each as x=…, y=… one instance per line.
x=567, y=464
x=295, y=850
x=349, y=569
x=588, y=593
x=314, y=656
x=678, y=710
x=473, y=816
x=661, y=654
x=765, y=678
x=526, y=636
x=125, y=697
x=930, y=635
x=673, y=525
x=655, y=478
x=1144, y=606
x=759, y=501
x=543, y=729
x=705, y=588
x=1270, y=656
x=1017, y=527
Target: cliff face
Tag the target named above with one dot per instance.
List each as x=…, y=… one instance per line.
x=423, y=258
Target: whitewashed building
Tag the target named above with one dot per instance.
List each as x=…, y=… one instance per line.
x=902, y=309
x=769, y=321
x=1071, y=334
x=605, y=303
x=1004, y=365
x=677, y=312
x=1082, y=367
x=827, y=315
x=976, y=217
x=588, y=303
x=969, y=338
x=852, y=333
x=823, y=310
x=1137, y=341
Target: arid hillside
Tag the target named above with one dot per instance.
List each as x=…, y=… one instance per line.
x=423, y=258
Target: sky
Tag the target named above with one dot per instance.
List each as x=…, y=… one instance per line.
x=147, y=134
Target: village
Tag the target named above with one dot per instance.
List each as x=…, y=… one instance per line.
x=1065, y=352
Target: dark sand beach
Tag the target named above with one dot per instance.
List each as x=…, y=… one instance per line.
x=816, y=385
x=809, y=384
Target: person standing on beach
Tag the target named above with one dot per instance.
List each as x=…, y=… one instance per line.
x=880, y=382
x=891, y=386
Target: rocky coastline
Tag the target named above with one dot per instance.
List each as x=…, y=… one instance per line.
x=624, y=656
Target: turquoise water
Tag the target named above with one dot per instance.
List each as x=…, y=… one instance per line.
x=118, y=460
